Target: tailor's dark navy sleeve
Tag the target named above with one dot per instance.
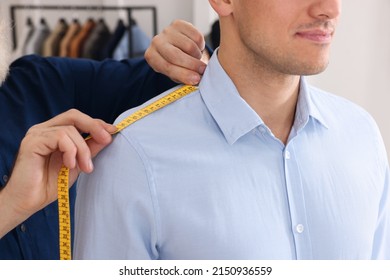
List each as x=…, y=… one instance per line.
x=33, y=92
x=106, y=89
x=38, y=89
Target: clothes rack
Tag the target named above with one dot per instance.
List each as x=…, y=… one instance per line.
x=129, y=10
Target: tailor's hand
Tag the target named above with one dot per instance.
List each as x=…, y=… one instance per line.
x=179, y=52
x=45, y=148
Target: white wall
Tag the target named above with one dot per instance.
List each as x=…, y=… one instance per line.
x=203, y=15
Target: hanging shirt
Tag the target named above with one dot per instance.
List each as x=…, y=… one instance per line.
x=77, y=43
x=109, y=47
x=35, y=44
x=71, y=33
x=24, y=39
x=38, y=89
x=140, y=42
x=51, y=46
x=205, y=178
x=95, y=41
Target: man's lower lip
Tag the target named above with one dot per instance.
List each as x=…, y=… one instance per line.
x=318, y=38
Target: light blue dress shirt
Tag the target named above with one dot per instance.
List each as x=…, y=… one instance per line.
x=204, y=178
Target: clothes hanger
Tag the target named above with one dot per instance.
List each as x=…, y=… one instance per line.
x=29, y=22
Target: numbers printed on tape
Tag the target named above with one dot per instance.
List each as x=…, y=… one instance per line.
x=63, y=177
x=64, y=214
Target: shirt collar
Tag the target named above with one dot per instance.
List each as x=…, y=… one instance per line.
x=306, y=108
x=233, y=115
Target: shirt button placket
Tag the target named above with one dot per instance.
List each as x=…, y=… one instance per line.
x=296, y=203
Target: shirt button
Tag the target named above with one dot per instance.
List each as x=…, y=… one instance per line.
x=300, y=228
x=287, y=155
x=23, y=228
x=5, y=178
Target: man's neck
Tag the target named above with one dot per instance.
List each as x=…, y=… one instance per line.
x=273, y=96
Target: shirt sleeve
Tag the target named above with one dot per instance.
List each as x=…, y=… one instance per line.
x=381, y=248
x=381, y=244
x=115, y=213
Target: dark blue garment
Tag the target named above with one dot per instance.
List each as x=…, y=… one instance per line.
x=40, y=88
x=109, y=48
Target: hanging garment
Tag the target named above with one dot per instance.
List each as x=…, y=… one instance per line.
x=96, y=40
x=108, y=49
x=29, y=35
x=140, y=42
x=42, y=34
x=51, y=47
x=78, y=41
x=72, y=32
x=34, y=46
x=27, y=32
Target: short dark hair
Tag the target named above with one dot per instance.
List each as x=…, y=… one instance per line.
x=215, y=34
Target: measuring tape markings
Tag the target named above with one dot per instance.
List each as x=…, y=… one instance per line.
x=63, y=176
x=64, y=214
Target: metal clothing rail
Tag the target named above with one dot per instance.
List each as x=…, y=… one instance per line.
x=128, y=9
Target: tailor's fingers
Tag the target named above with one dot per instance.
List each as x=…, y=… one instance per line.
x=190, y=31
x=177, y=53
x=81, y=121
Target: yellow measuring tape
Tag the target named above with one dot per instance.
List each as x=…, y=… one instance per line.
x=63, y=176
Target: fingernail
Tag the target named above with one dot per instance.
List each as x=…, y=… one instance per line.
x=195, y=79
x=202, y=69
x=90, y=164
x=113, y=129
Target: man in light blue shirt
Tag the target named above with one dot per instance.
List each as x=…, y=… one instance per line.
x=255, y=164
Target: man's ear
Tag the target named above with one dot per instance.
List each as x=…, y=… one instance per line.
x=222, y=7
